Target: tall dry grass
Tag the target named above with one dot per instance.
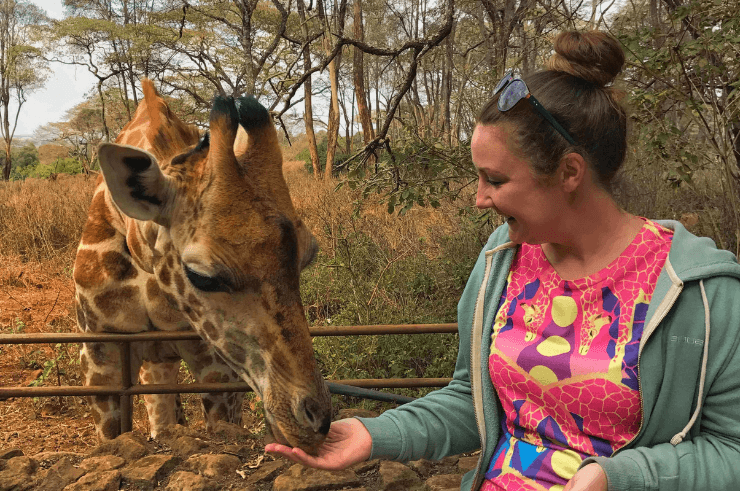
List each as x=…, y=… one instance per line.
x=41, y=220
x=333, y=214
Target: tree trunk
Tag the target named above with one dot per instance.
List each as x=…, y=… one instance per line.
x=347, y=126
x=102, y=110
x=332, y=130
x=8, y=141
x=447, y=90
x=308, y=111
x=735, y=140
x=6, y=166
x=363, y=112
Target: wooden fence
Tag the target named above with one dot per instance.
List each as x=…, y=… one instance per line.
x=127, y=388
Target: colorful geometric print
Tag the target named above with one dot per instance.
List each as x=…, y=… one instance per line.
x=564, y=362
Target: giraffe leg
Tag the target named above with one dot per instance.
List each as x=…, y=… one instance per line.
x=207, y=367
x=160, y=365
x=100, y=364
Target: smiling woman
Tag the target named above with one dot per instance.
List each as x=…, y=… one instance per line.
x=567, y=376
x=507, y=184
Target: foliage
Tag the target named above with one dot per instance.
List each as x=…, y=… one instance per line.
x=683, y=85
x=321, y=145
x=363, y=281
x=24, y=159
x=68, y=165
x=416, y=173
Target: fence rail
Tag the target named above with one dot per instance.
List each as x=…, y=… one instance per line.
x=127, y=389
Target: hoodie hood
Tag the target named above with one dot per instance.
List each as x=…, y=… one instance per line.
x=695, y=258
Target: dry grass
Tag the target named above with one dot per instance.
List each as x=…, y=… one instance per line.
x=333, y=213
x=42, y=220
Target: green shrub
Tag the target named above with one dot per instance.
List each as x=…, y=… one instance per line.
x=24, y=159
x=66, y=165
x=353, y=286
x=321, y=145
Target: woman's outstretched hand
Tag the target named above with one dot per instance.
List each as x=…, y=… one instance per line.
x=348, y=442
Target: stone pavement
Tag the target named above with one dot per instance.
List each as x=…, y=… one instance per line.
x=231, y=458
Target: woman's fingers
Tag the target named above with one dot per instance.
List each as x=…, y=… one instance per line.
x=347, y=443
x=295, y=454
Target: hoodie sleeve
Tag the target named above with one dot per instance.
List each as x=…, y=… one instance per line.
x=443, y=422
x=710, y=457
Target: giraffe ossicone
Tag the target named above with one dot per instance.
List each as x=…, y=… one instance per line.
x=189, y=232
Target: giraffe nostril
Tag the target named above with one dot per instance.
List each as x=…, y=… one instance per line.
x=316, y=415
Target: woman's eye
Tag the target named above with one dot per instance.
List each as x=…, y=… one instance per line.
x=205, y=283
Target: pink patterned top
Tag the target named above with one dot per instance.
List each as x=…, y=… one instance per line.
x=564, y=362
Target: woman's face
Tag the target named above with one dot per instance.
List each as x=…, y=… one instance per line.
x=507, y=184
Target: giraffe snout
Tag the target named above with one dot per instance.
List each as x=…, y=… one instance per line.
x=316, y=414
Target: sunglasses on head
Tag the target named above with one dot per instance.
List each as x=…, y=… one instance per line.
x=514, y=90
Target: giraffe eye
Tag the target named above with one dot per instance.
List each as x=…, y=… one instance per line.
x=206, y=283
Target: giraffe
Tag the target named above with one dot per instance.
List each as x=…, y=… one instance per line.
x=199, y=233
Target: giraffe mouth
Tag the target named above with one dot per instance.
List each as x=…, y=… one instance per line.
x=273, y=434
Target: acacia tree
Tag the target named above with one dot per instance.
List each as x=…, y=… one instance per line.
x=230, y=48
x=334, y=65
x=82, y=130
x=358, y=76
x=307, y=88
x=126, y=38
x=21, y=68
x=84, y=43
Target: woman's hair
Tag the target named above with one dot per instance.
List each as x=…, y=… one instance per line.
x=576, y=89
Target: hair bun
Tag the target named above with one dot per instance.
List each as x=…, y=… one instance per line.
x=594, y=56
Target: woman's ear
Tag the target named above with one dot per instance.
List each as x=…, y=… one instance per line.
x=572, y=171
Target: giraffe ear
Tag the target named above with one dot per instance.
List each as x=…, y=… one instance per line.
x=136, y=183
x=307, y=245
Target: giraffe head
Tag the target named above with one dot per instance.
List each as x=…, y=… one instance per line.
x=227, y=249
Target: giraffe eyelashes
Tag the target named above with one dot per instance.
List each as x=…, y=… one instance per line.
x=206, y=283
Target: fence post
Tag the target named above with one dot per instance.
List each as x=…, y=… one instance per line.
x=125, y=400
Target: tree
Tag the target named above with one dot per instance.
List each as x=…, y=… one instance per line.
x=308, y=105
x=334, y=62
x=21, y=68
x=683, y=80
x=24, y=159
x=358, y=77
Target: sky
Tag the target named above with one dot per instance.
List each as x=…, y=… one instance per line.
x=65, y=88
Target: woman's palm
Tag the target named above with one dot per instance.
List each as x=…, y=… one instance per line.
x=347, y=443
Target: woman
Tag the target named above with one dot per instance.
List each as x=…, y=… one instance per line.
x=586, y=361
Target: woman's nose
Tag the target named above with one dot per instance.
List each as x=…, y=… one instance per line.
x=482, y=199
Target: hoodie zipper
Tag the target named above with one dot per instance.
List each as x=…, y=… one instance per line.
x=475, y=369
x=663, y=310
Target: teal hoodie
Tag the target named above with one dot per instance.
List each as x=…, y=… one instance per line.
x=688, y=366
